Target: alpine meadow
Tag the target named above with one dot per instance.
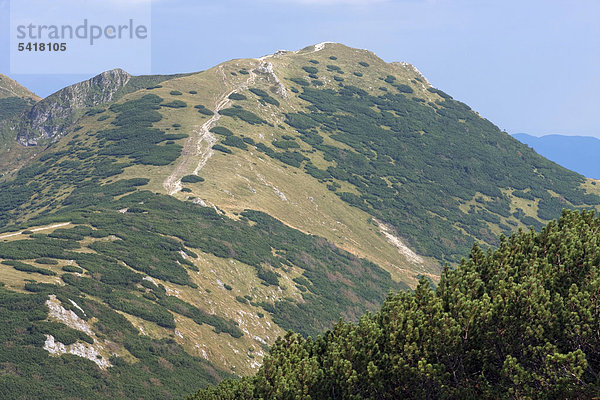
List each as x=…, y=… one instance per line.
x=311, y=224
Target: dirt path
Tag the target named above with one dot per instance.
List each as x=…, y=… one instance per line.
x=43, y=228
x=200, y=144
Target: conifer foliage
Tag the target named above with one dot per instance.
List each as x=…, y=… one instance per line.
x=519, y=322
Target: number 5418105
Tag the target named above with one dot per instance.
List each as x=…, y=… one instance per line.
x=42, y=46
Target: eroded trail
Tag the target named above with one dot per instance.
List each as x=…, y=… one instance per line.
x=198, y=148
x=42, y=228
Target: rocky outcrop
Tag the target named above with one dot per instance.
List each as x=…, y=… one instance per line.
x=265, y=70
x=49, y=118
x=93, y=352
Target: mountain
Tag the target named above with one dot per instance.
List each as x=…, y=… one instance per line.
x=577, y=153
x=497, y=342
x=169, y=228
x=50, y=117
x=11, y=89
x=14, y=100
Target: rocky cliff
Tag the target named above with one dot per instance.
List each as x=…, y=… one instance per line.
x=49, y=117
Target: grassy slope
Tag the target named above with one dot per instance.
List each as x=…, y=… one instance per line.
x=231, y=179
x=13, y=98
x=10, y=88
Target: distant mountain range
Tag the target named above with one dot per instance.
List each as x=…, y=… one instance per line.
x=577, y=153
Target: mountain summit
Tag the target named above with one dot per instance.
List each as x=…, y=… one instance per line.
x=167, y=229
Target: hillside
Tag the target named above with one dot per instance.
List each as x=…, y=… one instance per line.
x=183, y=223
x=519, y=322
x=14, y=100
x=11, y=89
x=577, y=153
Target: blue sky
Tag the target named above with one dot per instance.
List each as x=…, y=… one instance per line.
x=528, y=66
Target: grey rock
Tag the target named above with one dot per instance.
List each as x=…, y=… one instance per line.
x=49, y=118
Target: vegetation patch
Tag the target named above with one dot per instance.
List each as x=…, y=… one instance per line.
x=221, y=130
x=244, y=115
x=192, y=179
x=237, y=96
x=134, y=136
x=11, y=106
x=175, y=104
x=264, y=96
x=310, y=70
x=395, y=157
x=300, y=81
x=21, y=266
x=222, y=149
x=203, y=110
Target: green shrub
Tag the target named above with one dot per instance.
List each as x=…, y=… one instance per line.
x=264, y=96
x=175, y=93
x=403, y=88
x=11, y=106
x=175, y=104
x=285, y=144
x=46, y=261
x=72, y=268
x=235, y=141
x=244, y=115
x=222, y=149
x=203, y=110
x=311, y=70
x=237, y=96
x=300, y=81
x=221, y=130
x=192, y=179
